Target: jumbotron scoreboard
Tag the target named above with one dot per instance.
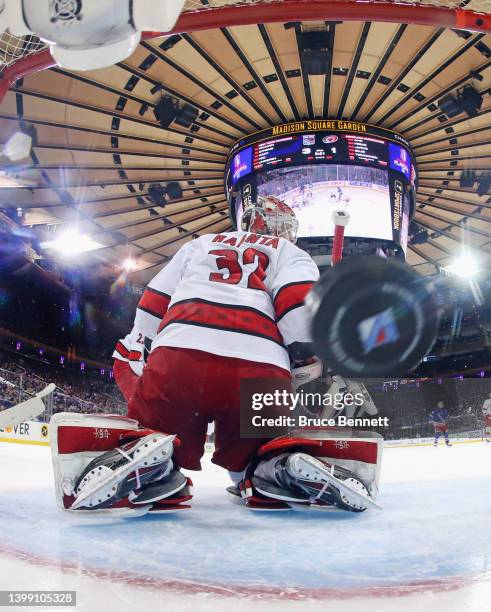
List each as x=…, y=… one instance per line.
x=324, y=165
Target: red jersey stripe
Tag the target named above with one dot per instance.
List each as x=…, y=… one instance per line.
x=154, y=302
x=241, y=319
x=122, y=350
x=291, y=296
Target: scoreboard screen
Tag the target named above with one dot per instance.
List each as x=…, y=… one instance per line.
x=368, y=146
x=320, y=166
x=314, y=148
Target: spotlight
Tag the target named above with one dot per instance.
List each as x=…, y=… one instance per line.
x=166, y=111
x=465, y=265
x=174, y=190
x=156, y=193
x=468, y=100
x=467, y=178
x=449, y=105
x=483, y=185
x=187, y=116
x=159, y=194
x=19, y=146
x=71, y=242
x=129, y=264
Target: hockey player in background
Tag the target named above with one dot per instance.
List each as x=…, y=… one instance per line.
x=486, y=411
x=438, y=418
x=227, y=307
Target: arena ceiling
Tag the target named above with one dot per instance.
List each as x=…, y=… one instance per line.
x=99, y=147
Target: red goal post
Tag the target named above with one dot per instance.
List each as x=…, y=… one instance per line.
x=20, y=57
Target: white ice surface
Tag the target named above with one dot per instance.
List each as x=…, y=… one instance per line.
x=434, y=531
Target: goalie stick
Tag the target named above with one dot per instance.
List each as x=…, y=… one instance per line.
x=27, y=410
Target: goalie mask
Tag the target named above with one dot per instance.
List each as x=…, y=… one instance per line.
x=272, y=217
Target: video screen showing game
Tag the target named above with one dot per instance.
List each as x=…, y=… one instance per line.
x=315, y=192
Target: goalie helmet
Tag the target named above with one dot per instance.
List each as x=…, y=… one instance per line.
x=271, y=216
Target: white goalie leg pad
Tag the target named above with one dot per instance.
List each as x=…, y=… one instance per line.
x=100, y=483
x=353, y=493
x=77, y=439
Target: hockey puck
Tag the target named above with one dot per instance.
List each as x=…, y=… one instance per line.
x=372, y=317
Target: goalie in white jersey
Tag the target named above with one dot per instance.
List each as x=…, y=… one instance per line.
x=227, y=307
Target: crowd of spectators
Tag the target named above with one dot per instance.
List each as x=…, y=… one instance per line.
x=281, y=181
x=76, y=391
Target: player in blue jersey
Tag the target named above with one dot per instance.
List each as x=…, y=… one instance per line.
x=438, y=418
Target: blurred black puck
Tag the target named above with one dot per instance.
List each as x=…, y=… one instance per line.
x=372, y=317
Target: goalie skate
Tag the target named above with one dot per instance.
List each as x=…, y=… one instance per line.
x=318, y=477
x=99, y=483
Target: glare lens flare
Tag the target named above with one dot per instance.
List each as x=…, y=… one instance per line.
x=465, y=265
x=129, y=264
x=71, y=242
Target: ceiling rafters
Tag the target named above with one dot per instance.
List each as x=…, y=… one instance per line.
x=254, y=74
x=161, y=230
x=450, y=136
x=279, y=70
x=430, y=77
x=223, y=73
x=166, y=214
x=404, y=72
x=353, y=68
x=137, y=72
x=177, y=239
x=448, y=187
x=113, y=213
x=186, y=73
x=378, y=70
x=111, y=133
x=130, y=153
x=460, y=225
x=303, y=72
x=114, y=113
x=424, y=256
x=123, y=93
x=434, y=98
x=454, y=211
x=441, y=125
x=124, y=182
x=331, y=33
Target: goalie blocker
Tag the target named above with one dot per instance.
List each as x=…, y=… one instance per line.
x=108, y=465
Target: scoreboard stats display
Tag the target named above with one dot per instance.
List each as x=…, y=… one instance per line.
x=325, y=165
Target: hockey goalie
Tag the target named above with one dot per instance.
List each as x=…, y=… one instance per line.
x=227, y=307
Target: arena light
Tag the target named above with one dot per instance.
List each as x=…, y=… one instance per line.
x=70, y=242
x=465, y=265
x=129, y=264
x=18, y=146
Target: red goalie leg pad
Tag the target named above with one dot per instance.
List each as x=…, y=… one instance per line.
x=335, y=448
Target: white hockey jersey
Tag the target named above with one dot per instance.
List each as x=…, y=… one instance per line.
x=486, y=407
x=234, y=294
